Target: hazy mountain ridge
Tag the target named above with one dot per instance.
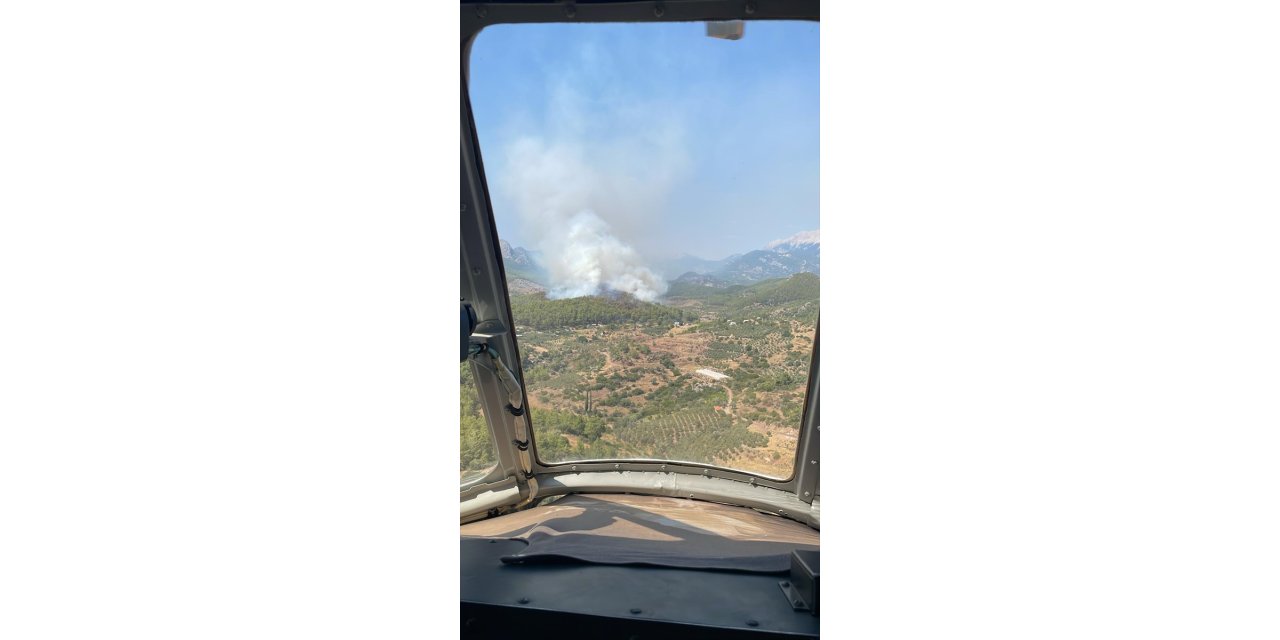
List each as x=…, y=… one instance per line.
x=799, y=253
x=801, y=239
x=674, y=269
x=522, y=265
x=518, y=256
x=768, y=264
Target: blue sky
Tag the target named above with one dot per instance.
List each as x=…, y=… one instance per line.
x=679, y=142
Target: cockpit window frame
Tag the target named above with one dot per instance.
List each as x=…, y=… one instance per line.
x=520, y=477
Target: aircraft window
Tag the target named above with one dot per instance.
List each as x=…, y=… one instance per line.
x=656, y=194
x=478, y=456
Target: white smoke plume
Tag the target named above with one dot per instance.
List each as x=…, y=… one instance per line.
x=578, y=210
x=591, y=177
x=592, y=260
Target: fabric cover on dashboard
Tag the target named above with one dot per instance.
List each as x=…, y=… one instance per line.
x=650, y=530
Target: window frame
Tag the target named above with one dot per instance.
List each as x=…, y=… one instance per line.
x=496, y=471
x=520, y=469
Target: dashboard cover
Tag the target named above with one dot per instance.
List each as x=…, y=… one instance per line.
x=650, y=530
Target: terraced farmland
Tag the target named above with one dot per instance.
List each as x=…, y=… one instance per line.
x=694, y=436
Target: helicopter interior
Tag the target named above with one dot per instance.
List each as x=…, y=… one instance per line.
x=592, y=534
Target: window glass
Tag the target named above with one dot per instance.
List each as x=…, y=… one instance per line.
x=478, y=456
x=656, y=192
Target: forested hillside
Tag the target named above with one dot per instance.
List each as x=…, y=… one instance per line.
x=537, y=311
x=711, y=374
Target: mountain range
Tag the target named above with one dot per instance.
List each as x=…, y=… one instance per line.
x=522, y=264
x=778, y=259
x=799, y=253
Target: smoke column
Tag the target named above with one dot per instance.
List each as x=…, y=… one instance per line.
x=568, y=203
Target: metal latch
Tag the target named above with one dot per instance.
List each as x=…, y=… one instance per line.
x=802, y=589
